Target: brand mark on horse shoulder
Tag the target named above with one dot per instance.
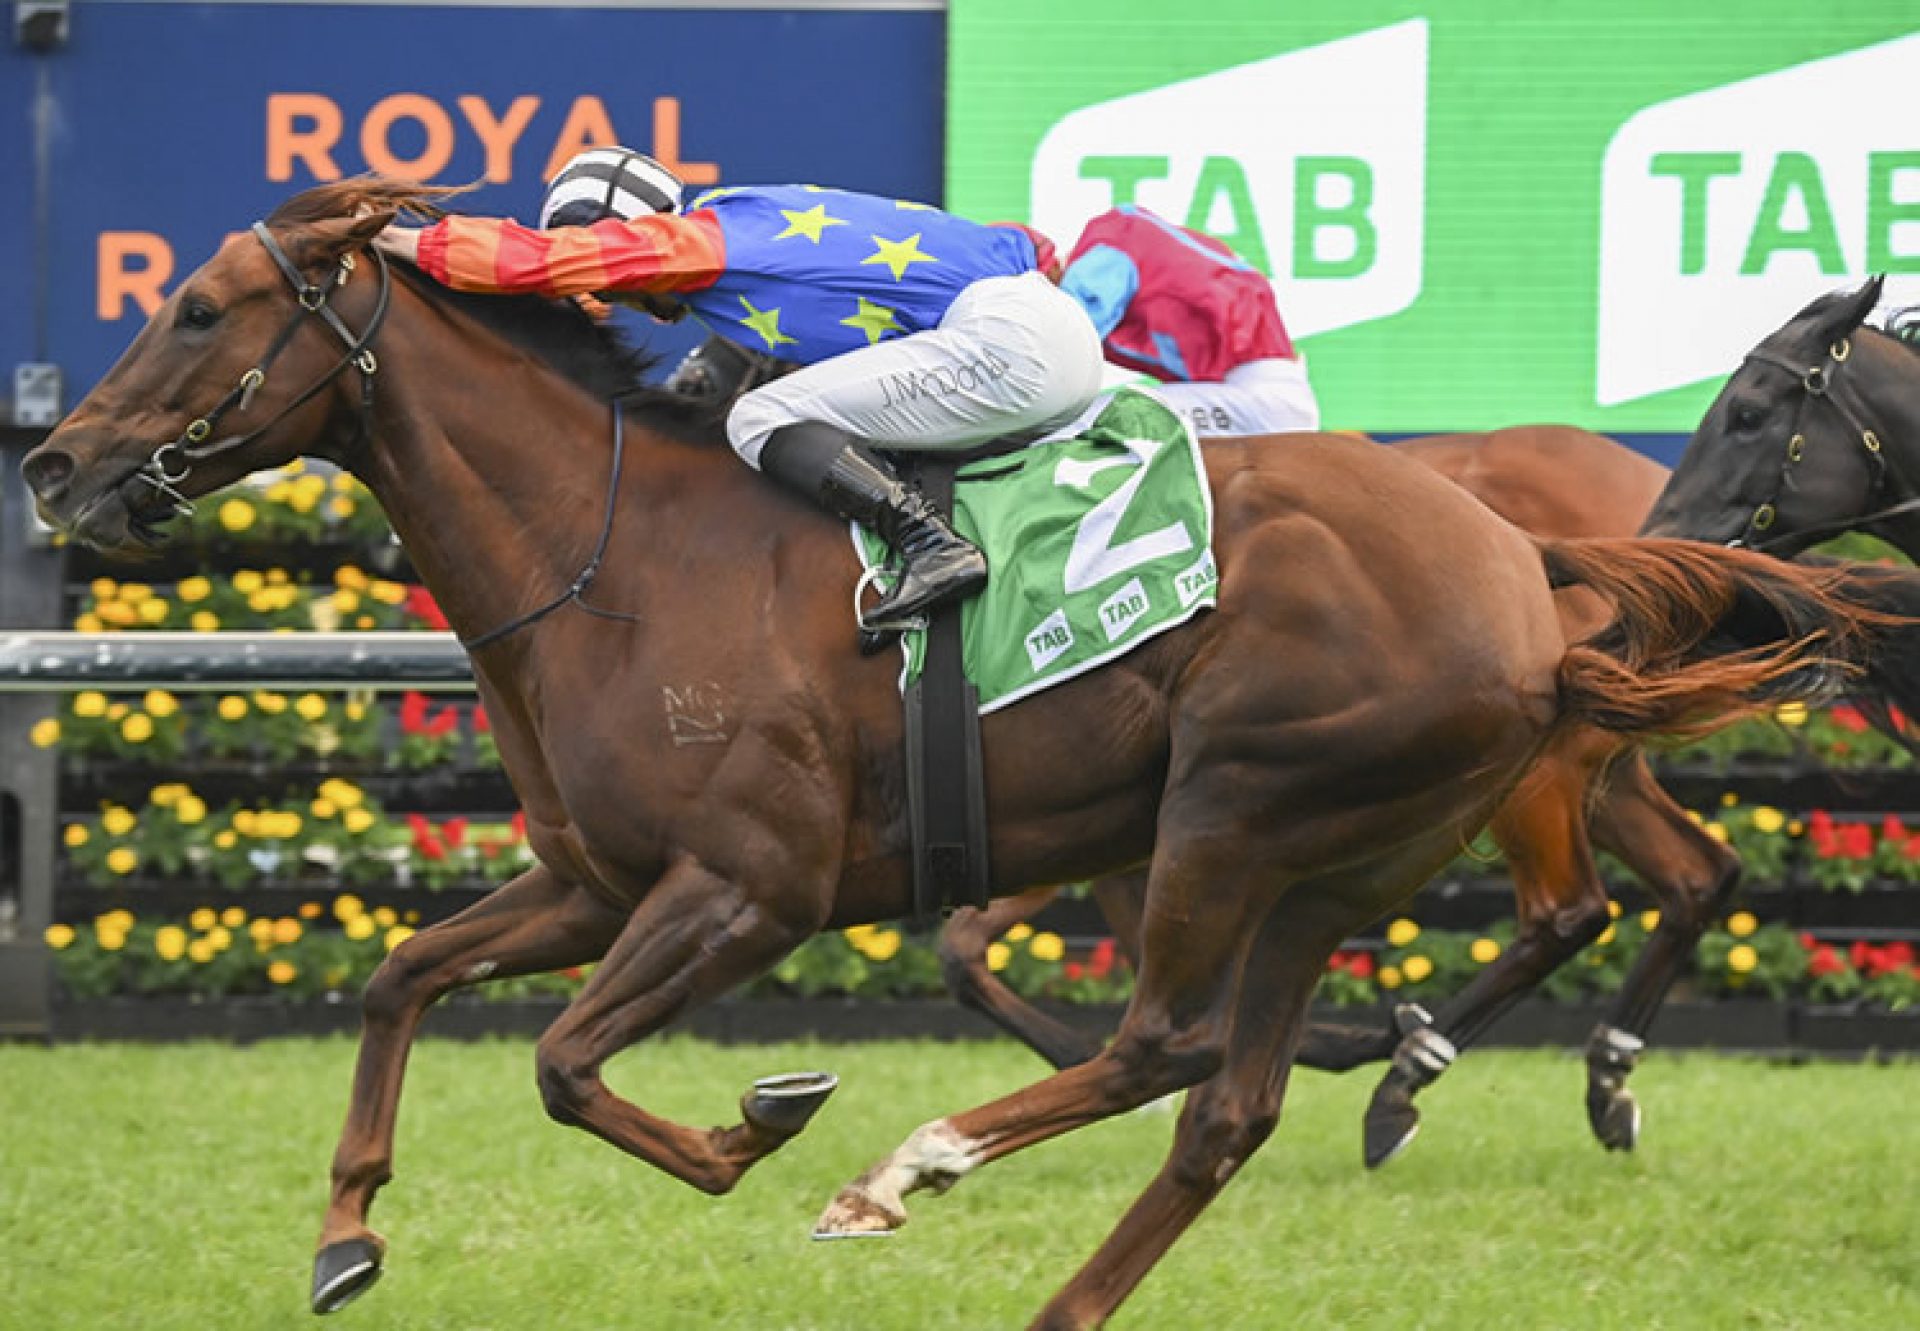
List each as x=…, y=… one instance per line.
x=696, y=713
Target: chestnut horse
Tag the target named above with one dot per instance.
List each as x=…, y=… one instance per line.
x=1384, y=664
x=1552, y=481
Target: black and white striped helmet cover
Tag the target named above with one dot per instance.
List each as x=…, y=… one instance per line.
x=609, y=182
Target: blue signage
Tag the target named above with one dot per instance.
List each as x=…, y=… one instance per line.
x=168, y=126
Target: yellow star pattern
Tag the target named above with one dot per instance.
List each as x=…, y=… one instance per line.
x=766, y=323
x=898, y=255
x=874, y=320
x=809, y=223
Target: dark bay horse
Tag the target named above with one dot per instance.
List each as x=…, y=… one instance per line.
x=1588, y=789
x=1386, y=661
x=1817, y=432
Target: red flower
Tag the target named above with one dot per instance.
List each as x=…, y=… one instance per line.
x=1824, y=961
x=1100, y=964
x=445, y=723
x=413, y=713
x=1856, y=841
x=1860, y=954
x=1073, y=970
x=421, y=605
x=519, y=824
x=480, y=723
x=455, y=831
x=1848, y=719
x=1360, y=966
x=1891, y=829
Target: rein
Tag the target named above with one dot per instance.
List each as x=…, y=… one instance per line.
x=191, y=447
x=1817, y=382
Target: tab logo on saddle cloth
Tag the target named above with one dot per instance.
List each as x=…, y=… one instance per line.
x=1311, y=165
x=1724, y=211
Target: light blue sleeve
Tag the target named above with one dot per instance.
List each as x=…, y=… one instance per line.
x=1104, y=281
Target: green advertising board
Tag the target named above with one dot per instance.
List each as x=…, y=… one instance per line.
x=1475, y=213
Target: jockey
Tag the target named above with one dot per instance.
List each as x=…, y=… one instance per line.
x=1179, y=306
x=914, y=329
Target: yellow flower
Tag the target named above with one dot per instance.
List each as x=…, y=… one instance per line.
x=392, y=593
x=226, y=838
x=998, y=955
x=236, y=515
x=1649, y=920
x=1796, y=827
x=1741, y=959
x=204, y=919
x=1607, y=935
x=346, y=601
x=385, y=917
x=233, y=917
x=153, y=610
x=349, y=577
x=1388, y=976
x=358, y=821
x=118, y=710
x=168, y=794
x=1728, y=799
x=262, y=931
x=343, y=793
x=122, y=860
x=219, y=938
x=1416, y=968
x=882, y=945
x=159, y=702
x=117, y=613
x=111, y=940
x=342, y=506
x=205, y=621
x=322, y=808
x=359, y=928
x=311, y=707
x=193, y=590
x=1742, y=925
x=89, y=623
x=170, y=942
x=1791, y=714
x=247, y=581
x=311, y=910
x=263, y=602
x=90, y=703
x=246, y=822
x=190, y=810
x=117, y=821
x=119, y=921
x=76, y=835
x=283, y=972
x=347, y=906
x=271, y=703
x=45, y=733
x=201, y=951
x=396, y=936
x=286, y=930
x=1484, y=950
x=134, y=592
x=1613, y=910
x=137, y=728
x=1768, y=819
x=104, y=589
x=300, y=500
x=1402, y=931
x=1717, y=831
x=1020, y=933
x=1047, y=947
x=355, y=709
x=59, y=936
x=232, y=707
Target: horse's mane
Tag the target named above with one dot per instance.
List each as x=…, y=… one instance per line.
x=595, y=355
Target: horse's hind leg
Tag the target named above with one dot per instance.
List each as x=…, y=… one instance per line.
x=1691, y=875
x=1226, y=1118
x=1562, y=906
x=694, y=936
x=963, y=961
x=534, y=923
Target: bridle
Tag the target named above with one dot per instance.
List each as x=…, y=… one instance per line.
x=1817, y=383
x=174, y=460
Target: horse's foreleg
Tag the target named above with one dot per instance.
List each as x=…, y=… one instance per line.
x=963, y=962
x=1691, y=875
x=695, y=936
x=1173, y=1036
x=534, y=923
x=1563, y=907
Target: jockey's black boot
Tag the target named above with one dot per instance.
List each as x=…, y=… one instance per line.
x=824, y=464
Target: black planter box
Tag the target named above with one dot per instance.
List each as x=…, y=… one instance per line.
x=1879, y=907
x=1850, y=1029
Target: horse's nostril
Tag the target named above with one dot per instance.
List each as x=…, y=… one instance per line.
x=47, y=472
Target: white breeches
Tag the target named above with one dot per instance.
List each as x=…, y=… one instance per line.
x=1260, y=397
x=1013, y=355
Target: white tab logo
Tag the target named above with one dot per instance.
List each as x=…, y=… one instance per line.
x=1311, y=165
x=1049, y=641
x=1123, y=609
x=1725, y=211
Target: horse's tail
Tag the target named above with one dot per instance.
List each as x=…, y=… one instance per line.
x=1705, y=635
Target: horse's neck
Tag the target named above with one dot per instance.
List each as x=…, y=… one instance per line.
x=1893, y=413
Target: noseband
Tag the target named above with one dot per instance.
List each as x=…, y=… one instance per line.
x=1817, y=382
x=174, y=460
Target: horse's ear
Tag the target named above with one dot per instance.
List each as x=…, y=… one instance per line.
x=327, y=240
x=1836, y=314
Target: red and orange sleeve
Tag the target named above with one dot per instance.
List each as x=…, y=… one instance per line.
x=657, y=254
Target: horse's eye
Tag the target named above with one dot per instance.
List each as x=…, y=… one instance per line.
x=1747, y=417
x=198, y=314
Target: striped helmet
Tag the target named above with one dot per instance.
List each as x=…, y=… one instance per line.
x=609, y=182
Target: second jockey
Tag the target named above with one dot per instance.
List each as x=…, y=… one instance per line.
x=914, y=329
x=1180, y=306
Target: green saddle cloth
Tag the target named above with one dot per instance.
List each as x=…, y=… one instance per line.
x=1095, y=544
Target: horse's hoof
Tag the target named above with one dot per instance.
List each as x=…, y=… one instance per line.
x=783, y=1105
x=1389, y=1129
x=1617, y=1123
x=855, y=1215
x=343, y=1272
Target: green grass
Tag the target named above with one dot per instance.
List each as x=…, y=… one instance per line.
x=181, y=1187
